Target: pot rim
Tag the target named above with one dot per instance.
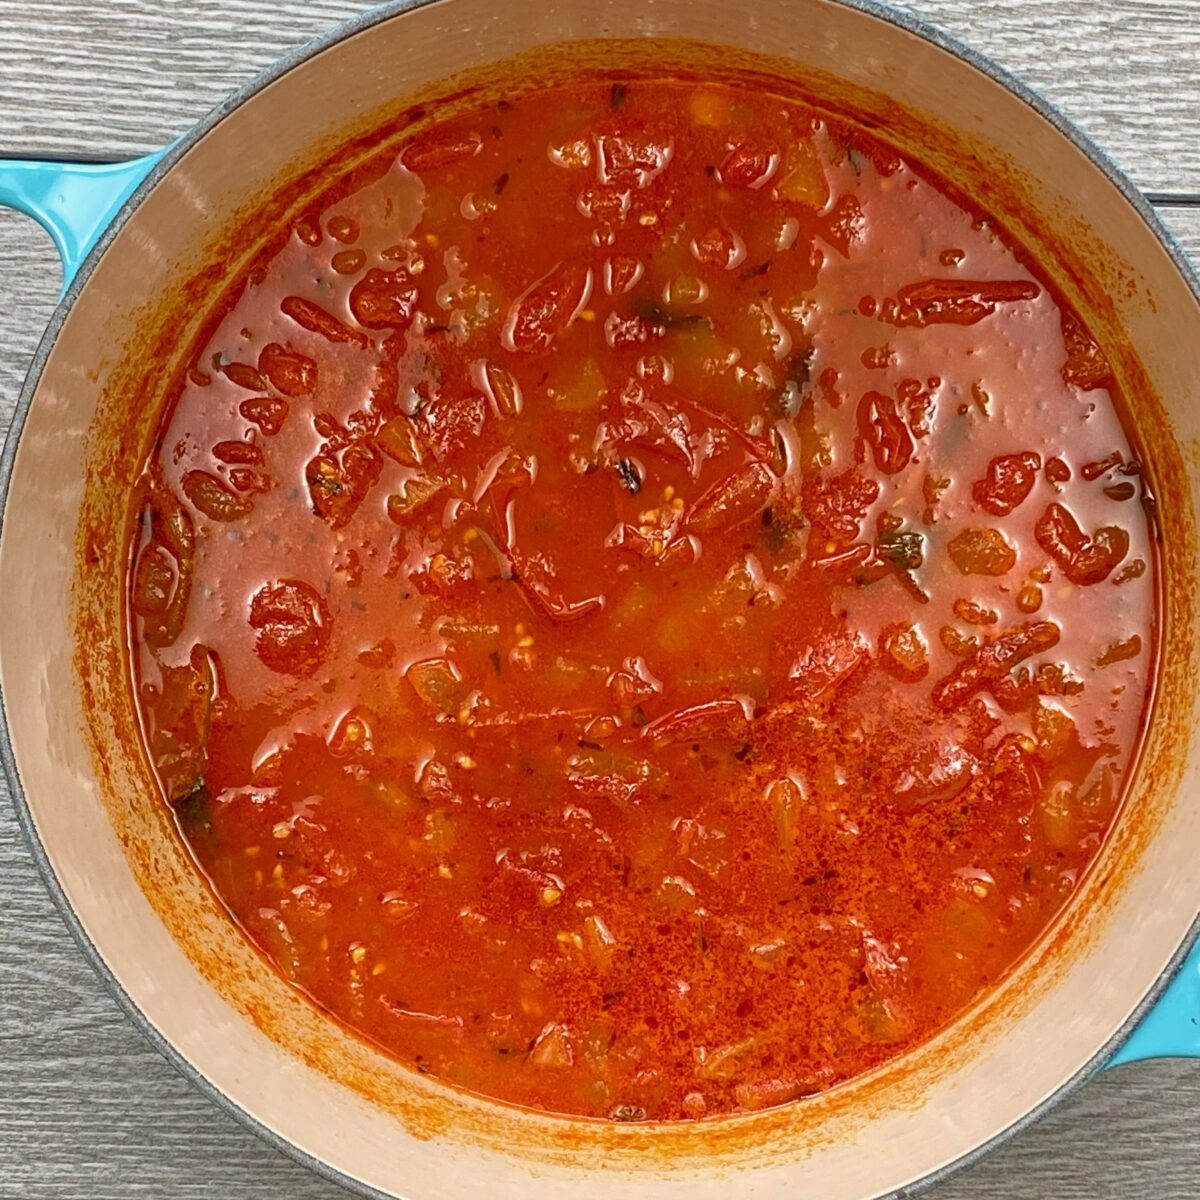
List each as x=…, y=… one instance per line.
x=277, y=69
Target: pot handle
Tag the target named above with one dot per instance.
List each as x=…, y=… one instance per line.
x=1171, y=1029
x=73, y=201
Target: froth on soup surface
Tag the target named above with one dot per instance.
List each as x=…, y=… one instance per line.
x=642, y=601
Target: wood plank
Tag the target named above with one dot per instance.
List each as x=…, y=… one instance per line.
x=1184, y=223
x=125, y=78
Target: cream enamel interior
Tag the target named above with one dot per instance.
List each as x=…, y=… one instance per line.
x=338, y=1100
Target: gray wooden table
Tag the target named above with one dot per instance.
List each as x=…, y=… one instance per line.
x=87, y=1109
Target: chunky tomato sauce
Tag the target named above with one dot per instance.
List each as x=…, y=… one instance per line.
x=643, y=603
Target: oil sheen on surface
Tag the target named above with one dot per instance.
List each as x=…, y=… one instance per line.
x=643, y=602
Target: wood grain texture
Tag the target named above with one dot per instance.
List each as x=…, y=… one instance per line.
x=87, y=75
x=87, y=1110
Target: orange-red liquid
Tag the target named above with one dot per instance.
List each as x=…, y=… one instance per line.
x=644, y=607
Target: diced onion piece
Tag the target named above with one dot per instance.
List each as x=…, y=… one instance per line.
x=351, y=735
x=903, y=653
x=502, y=390
x=599, y=942
x=768, y=1093
x=966, y=923
x=439, y=683
x=877, y=1020
x=553, y=1048
x=394, y=797
x=982, y=552
x=413, y=494
x=723, y=1062
x=685, y=289
x=716, y=719
x=709, y=108
x=785, y=798
x=804, y=181
x=274, y=936
x=1052, y=727
x=1057, y=813
x=440, y=832
x=398, y=440
x=584, y=392
x=736, y=498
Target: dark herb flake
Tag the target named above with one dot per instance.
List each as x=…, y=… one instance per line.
x=755, y=271
x=631, y=477
x=904, y=551
x=653, y=312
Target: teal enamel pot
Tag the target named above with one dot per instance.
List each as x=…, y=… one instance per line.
x=1112, y=984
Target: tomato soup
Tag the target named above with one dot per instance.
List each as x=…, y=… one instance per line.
x=642, y=601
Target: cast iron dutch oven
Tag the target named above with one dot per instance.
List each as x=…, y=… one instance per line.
x=135, y=236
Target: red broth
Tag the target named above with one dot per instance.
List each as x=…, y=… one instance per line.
x=643, y=601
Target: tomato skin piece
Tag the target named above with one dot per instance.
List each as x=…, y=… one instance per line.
x=1008, y=482
x=884, y=430
x=267, y=412
x=384, y=299
x=992, y=660
x=316, y=320
x=1085, y=560
x=749, y=165
x=291, y=622
x=401, y=441
x=633, y=158
x=719, y=247
x=555, y=606
x=903, y=652
x=246, y=453
x=732, y=500
x=546, y=308
x=837, y=504
x=827, y=662
x=955, y=301
x=934, y=773
x=633, y=683
x=1016, y=774
x=433, y=152
x=982, y=552
x=245, y=377
x=338, y=483
x=213, y=499
x=536, y=578
x=727, y=719
x=1086, y=367
x=154, y=581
